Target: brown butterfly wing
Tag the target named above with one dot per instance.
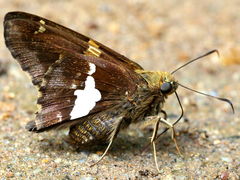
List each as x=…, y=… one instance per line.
x=28, y=44
x=57, y=57
x=57, y=93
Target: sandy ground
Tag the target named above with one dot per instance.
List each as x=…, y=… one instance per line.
x=159, y=35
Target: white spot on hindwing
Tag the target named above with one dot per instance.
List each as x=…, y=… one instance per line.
x=92, y=69
x=86, y=98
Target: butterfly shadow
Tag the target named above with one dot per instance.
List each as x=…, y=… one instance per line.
x=124, y=145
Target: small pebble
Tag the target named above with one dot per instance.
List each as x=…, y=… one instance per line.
x=226, y=159
x=36, y=171
x=215, y=142
x=9, y=175
x=86, y=178
x=58, y=160
x=45, y=160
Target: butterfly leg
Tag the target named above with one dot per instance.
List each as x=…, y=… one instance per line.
x=154, y=136
x=113, y=135
x=171, y=126
x=154, y=145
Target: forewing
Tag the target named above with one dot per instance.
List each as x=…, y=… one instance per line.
x=37, y=42
x=58, y=60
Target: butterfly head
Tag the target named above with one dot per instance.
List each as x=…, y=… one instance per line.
x=162, y=83
x=168, y=84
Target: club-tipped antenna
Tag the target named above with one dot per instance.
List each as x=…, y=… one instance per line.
x=191, y=61
x=208, y=95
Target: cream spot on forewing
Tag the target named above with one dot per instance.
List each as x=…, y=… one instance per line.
x=41, y=28
x=92, y=43
x=93, y=49
x=42, y=21
x=86, y=99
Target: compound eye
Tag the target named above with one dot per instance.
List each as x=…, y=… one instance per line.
x=166, y=87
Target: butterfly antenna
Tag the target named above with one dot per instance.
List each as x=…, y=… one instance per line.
x=208, y=95
x=191, y=61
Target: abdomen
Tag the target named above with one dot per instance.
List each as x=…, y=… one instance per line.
x=91, y=132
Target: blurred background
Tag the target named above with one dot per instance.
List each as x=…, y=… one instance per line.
x=161, y=36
